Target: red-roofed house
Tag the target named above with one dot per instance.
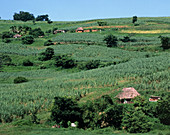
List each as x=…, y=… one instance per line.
x=80, y=29
x=17, y=36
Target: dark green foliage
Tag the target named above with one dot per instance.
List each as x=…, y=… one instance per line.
x=20, y=80
x=64, y=110
x=47, y=55
x=126, y=39
x=48, y=43
x=27, y=63
x=111, y=40
x=23, y=16
x=102, y=23
x=5, y=60
x=89, y=65
x=36, y=32
x=6, y=40
x=102, y=113
x=49, y=21
x=163, y=110
x=64, y=61
x=29, y=39
x=42, y=18
x=165, y=41
x=135, y=121
x=48, y=31
x=7, y=35
x=54, y=29
x=134, y=19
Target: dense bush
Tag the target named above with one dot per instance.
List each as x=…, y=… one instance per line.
x=64, y=61
x=64, y=110
x=6, y=35
x=102, y=23
x=135, y=121
x=20, y=80
x=5, y=60
x=89, y=65
x=165, y=41
x=111, y=40
x=27, y=39
x=163, y=110
x=125, y=39
x=101, y=113
x=48, y=43
x=27, y=63
x=47, y=55
x=36, y=32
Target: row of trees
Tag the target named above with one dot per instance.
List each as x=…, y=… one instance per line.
x=26, y=16
x=138, y=117
x=111, y=41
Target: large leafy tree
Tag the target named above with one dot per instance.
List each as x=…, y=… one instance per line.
x=29, y=39
x=36, y=32
x=64, y=110
x=111, y=40
x=42, y=18
x=23, y=16
x=47, y=55
x=135, y=121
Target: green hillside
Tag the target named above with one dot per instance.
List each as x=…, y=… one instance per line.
x=140, y=63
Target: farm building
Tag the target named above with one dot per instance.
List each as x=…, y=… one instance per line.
x=154, y=98
x=127, y=94
x=79, y=30
x=17, y=36
x=59, y=31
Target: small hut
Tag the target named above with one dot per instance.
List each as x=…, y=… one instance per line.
x=154, y=98
x=16, y=36
x=127, y=94
x=79, y=30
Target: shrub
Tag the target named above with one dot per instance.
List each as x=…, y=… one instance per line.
x=36, y=32
x=6, y=40
x=20, y=80
x=48, y=43
x=5, y=60
x=6, y=35
x=125, y=39
x=47, y=55
x=89, y=65
x=27, y=63
x=163, y=110
x=165, y=41
x=27, y=39
x=64, y=61
x=111, y=40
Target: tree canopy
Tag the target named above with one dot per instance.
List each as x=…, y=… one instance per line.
x=23, y=16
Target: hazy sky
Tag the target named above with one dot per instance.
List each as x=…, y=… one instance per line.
x=71, y=10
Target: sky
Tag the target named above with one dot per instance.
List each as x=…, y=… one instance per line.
x=77, y=10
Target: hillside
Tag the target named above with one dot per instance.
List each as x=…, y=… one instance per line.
x=140, y=63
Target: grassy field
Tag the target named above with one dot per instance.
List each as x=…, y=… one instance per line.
x=142, y=64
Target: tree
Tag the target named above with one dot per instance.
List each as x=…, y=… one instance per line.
x=27, y=63
x=48, y=43
x=125, y=39
x=135, y=121
x=163, y=110
x=20, y=79
x=37, y=32
x=64, y=110
x=165, y=41
x=27, y=39
x=47, y=55
x=102, y=23
x=23, y=16
x=42, y=18
x=111, y=40
x=134, y=19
